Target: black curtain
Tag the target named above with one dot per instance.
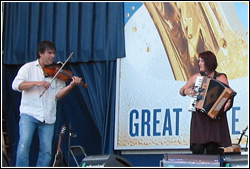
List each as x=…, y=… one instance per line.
x=95, y=32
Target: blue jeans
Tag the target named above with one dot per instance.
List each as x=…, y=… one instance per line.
x=27, y=126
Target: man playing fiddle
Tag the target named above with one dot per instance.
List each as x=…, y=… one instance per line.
x=38, y=111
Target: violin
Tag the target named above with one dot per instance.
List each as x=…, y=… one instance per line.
x=64, y=75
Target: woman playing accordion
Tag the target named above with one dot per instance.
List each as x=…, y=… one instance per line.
x=207, y=134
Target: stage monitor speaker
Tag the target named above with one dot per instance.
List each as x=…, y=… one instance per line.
x=105, y=161
x=190, y=160
x=235, y=160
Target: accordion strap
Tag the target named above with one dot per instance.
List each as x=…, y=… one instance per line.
x=216, y=74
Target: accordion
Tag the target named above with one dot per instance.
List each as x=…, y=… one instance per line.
x=211, y=96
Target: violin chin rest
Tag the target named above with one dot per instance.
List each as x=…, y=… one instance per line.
x=59, y=63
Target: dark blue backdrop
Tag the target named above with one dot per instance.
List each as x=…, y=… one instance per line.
x=95, y=32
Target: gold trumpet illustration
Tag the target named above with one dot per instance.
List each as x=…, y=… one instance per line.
x=188, y=28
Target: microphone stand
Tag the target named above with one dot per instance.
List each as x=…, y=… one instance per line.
x=242, y=134
x=71, y=134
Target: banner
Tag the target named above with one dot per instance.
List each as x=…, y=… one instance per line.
x=163, y=40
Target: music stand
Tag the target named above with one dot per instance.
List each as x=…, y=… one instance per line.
x=75, y=151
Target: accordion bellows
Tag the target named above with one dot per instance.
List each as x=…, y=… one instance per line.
x=211, y=96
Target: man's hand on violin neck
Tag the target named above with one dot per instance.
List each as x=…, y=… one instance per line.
x=76, y=81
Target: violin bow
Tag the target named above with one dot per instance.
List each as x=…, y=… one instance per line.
x=59, y=71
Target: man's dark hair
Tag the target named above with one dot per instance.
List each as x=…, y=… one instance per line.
x=43, y=46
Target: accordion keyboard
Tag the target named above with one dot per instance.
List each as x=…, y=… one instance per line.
x=197, y=88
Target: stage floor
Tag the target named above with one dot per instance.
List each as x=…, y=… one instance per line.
x=187, y=160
